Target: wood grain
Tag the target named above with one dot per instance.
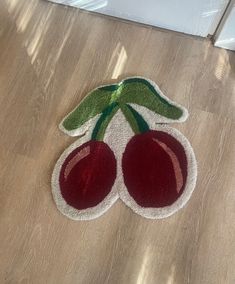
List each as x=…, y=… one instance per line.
x=51, y=56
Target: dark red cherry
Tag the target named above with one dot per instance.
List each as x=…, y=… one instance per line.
x=154, y=168
x=87, y=174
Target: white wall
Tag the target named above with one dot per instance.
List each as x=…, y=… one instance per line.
x=197, y=17
x=226, y=35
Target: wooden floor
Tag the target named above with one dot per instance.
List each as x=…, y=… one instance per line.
x=50, y=57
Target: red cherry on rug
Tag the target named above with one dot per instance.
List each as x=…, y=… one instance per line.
x=87, y=174
x=154, y=168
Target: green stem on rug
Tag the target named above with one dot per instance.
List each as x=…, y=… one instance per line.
x=103, y=122
x=135, y=120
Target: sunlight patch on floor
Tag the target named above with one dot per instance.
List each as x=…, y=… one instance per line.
x=25, y=16
x=11, y=5
x=36, y=41
x=143, y=273
x=206, y=52
x=222, y=68
x=21, y=12
x=170, y=279
x=57, y=55
x=121, y=54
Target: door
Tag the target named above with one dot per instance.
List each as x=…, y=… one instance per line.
x=199, y=17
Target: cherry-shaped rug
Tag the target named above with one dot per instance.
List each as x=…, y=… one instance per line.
x=127, y=151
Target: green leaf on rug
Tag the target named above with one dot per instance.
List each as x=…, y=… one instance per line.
x=94, y=103
x=142, y=92
x=135, y=90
